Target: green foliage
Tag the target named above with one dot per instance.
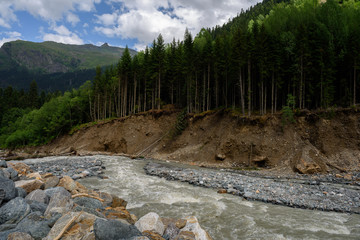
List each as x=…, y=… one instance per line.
x=180, y=125
x=287, y=116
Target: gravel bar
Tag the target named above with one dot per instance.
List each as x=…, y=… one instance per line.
x=306, y=193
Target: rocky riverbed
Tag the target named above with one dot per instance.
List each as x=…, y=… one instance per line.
x=43, y=201
x=327, y=193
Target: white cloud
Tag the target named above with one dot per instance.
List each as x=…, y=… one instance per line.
x=144, y=20
x=9, y=36
x=72, y=18
x=63, y=35
x=49, y=10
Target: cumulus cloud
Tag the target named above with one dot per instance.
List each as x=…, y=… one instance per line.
x=53, y=10
x=9, y=36
x=144, y=20
x=63, y=35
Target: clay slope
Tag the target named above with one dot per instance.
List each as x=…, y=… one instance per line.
x=315, y=143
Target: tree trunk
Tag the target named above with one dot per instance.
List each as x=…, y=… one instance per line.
x=241, y=92
x=249, y=88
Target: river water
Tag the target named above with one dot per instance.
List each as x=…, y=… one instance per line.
x=224, y=216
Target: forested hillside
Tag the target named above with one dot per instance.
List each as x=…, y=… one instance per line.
x=54, y=66
x=301, y=54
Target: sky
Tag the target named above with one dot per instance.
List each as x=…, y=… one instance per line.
x=135, y=23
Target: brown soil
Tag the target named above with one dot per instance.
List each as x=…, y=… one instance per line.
x=315, y=143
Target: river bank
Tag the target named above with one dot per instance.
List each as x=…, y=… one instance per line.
x=40, y=199
x=223, y=216
x=321, y=192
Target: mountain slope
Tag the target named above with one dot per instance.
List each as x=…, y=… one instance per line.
x=51, y=57
x=55, y=66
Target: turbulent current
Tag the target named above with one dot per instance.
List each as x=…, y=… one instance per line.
x=224, y=216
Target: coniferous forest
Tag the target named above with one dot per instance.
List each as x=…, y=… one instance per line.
x=303, y=50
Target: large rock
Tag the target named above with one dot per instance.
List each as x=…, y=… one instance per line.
x=88, y=202
x=186, y=235
x=37, y=206
x=19, y=236
x=13, y=173
x=60, y=202
x=38, y=195
x=4, y=174
x=108, y=199
x=51, y=181
x=171, y=231
x=192, y=225
x=5, y=227
x=3, y=164
x=14, y=211
x=34, y=224
x=30, y=185
x=20, y=192
x=9, y=188
x=80, y=228
x=2, y=195
x=311, y=161
x=118, y=202
x=22, y=168
x=51, y=191
x=114, y=230
x=73, y=187
x=118, y=213
x=150, y=222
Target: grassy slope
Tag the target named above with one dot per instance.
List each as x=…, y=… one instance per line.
x=72, y=57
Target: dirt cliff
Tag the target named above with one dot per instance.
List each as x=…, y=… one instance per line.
x=317, y=142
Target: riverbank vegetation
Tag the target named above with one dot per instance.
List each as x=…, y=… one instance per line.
x=305, y=50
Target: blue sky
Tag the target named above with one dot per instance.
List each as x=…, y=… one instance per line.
x=118, y=22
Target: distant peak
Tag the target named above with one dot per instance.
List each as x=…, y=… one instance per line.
x=105, y=45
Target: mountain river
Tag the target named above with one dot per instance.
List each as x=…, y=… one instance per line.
x=224, y=216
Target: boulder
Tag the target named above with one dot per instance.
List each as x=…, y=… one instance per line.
x=192, y=225
x=171, y=231
x=150, y=222
x=113, y=229
x=19, y=236
x=305, y=167
x=118, y=213
x=220, y=156
x=51, y=191
x=4, y=174
x=22, y=168
x=108, y=199
x=80, y=226
x=13, y=173
x=37, y=206
x=88, y=202
x=8, y=187
x=4, y=235
x=88, y=210
x=38, y=195
x=20, y=192
x=30, y=185
x=5, y=227
x=186, y=235
x=35, y=175
x=60, y=202
x=73, y=187
x=34, y=224
x=118, y=202
x=2, y=195
x=153, y=235
x=14, y=211
x=51, y=181
x=3, y=164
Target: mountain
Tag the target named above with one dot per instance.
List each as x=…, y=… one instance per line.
x=55, y=66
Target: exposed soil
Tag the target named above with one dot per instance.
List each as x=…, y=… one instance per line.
x=319, y=142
